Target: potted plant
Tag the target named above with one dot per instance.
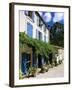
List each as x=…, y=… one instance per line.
x=47, y=68
x=43, y=70
x=29, y=72
x=34, y=71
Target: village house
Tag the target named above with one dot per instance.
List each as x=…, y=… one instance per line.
x=34, y=26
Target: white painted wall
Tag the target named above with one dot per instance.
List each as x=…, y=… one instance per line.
x=22, y=21
x=23, y=26
x=60, y=55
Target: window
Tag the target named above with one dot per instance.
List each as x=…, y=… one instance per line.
x=39, y=22
x=30, y=14
x=39, y=35
x=36, y=34
x=29, y=30
x=45, y=38
x=44, y=29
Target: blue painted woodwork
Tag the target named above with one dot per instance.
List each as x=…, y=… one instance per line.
x=25, y=63
x=29, y=30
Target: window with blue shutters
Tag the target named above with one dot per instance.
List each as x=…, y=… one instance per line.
x=29, y=30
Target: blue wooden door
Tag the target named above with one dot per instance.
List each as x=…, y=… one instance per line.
x=24, y=63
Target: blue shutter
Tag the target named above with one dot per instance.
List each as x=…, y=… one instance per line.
x=29, y=30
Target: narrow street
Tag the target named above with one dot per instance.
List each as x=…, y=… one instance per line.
x=52, y=73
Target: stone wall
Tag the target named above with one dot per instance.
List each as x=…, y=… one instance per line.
x=60, y=55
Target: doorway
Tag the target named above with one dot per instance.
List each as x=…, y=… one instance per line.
x=39, y=61
x=26, y=61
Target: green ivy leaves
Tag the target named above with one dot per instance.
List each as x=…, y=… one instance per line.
x=40, y=47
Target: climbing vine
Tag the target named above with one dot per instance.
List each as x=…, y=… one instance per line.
x=39, y=46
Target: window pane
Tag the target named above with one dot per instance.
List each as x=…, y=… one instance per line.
x=39, y=35
x=44, y=38
x=36, y=34
x=29, y=30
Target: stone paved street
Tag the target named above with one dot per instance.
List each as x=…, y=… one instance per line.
x=52, y=73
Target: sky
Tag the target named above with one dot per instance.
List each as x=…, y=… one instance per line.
x=51, y=17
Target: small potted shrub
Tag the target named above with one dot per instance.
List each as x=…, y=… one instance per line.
x=55, y=63
x=29, y=72
x=43, y=70
x=60, y=61
x=47, y=68
x=34, y=71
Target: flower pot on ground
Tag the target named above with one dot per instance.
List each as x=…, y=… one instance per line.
x=34, y=72
x=47, y=68
x=38, y=70
x=43, y=70
x=55, y=62
x=29, y=72
x=50, y=66
x=60, y=61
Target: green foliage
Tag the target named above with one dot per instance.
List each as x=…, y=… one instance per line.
x=39, y=47
x=32, y=71
x=57, y=34
x=60, y=61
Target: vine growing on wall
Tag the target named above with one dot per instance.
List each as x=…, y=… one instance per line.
x=39, y=46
